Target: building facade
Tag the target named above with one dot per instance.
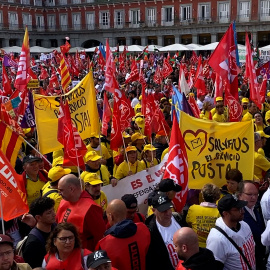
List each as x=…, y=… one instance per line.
x=127, y=22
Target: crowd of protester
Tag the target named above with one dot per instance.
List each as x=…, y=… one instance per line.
x=72, y=226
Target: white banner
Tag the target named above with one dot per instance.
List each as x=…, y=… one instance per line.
x=139, y=184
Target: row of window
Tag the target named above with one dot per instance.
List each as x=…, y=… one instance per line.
x=167, y=16
x=50, y=2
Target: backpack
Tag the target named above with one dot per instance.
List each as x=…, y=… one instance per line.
x=21, y=244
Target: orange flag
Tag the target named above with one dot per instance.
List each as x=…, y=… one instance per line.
x=13, y=197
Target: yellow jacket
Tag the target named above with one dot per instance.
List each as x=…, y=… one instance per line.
x=102, y=201
x=247, y=117
x=123, y=169
x=261, y=164
x=219, y=118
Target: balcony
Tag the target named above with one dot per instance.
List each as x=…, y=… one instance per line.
x=243, y=17
x=265, y=16
x=204, y=20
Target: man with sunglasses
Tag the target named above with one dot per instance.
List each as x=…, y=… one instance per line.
x=7, y=255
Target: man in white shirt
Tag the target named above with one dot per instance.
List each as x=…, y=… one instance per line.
x=231, y=221
x=265, y=205
x=162, y=225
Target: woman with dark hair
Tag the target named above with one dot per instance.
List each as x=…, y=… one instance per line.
x=64, y=249
x=259, y=122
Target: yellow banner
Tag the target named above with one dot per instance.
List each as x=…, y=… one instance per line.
x=214, y=148
x=83, y=110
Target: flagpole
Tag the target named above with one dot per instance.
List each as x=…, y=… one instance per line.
x=37, y=151
x=125, y=152
x=167, y=137
x=2, y=214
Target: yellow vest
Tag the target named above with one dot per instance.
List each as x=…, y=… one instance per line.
x=102, y=201
x=54, y=195
x=33, y=189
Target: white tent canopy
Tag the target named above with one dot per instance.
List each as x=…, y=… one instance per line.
x=193, y=46
x=38, y=49
x=153, y=48
x=208, y=47
x=174, y=47
x=14, y=49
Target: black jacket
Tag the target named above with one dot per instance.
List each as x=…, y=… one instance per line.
x=203, y=260
x=157, y=257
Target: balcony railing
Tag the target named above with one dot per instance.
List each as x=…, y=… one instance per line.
x=192, y=22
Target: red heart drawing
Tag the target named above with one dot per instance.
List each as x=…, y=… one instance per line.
x=195, y=134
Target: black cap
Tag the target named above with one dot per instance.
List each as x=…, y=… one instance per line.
x=228, y=202
x=168, y=184
x=130, y=201
x=97, y=258
x=31, y=158
x=160, y=201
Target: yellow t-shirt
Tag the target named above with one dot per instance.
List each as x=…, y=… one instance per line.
x=146, y=164
x=123, y=169
x=33, y=189
x=247, y=117
x=102, y=201
x=54, y=195
x=202, y=219
x=261, y=164
x=219, y=118
x=244, y=112
x=205, y=115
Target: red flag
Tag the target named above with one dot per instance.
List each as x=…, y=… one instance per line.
x=199, y=79
x=127, y=113
x=134, y=74
x=234, y=107
x=264, y=69
x=177, y=165
x=107, y=113
x=141, y=77
x=116, y=135
x=24, y=64
x=154, y=118
x=251, y=74
x=194, y=58
x=13, y=192
x=224, y=60
x=262, y=88
x=167, y=68
x=74, y=148
x=158, y=76
x=53, y=82
x=5, y=81
x=65, y=48
x=32, y=74
x=110, y=70
x=194, y=106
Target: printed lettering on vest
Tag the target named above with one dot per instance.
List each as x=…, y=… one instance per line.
x=134, y=256
x=66, y=215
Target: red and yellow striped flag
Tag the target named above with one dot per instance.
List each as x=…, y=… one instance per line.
x=10, y=143
x=65, y=76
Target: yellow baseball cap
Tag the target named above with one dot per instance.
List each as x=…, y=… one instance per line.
x=267, y=116
x=268, y=94
x=219, y=98
x=56, y=173
x=26, y=130
x=149, y=147
x=262, y=134
x=140, y=122
x=245, y=100
x=92, y=179
x=140, y=97
x=58, y=161
x=137, y=136
x=92, y=156
x=131, y=148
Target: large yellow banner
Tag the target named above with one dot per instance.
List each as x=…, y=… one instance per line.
x=214, y=148
x=83, y=110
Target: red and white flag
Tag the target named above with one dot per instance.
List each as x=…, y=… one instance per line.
x=134, y=74
x=167, y=68
x=177, y=165
x=74, y=148
x=110, y=70
x=194, y=106
x=24, y=64
x=218, y=87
